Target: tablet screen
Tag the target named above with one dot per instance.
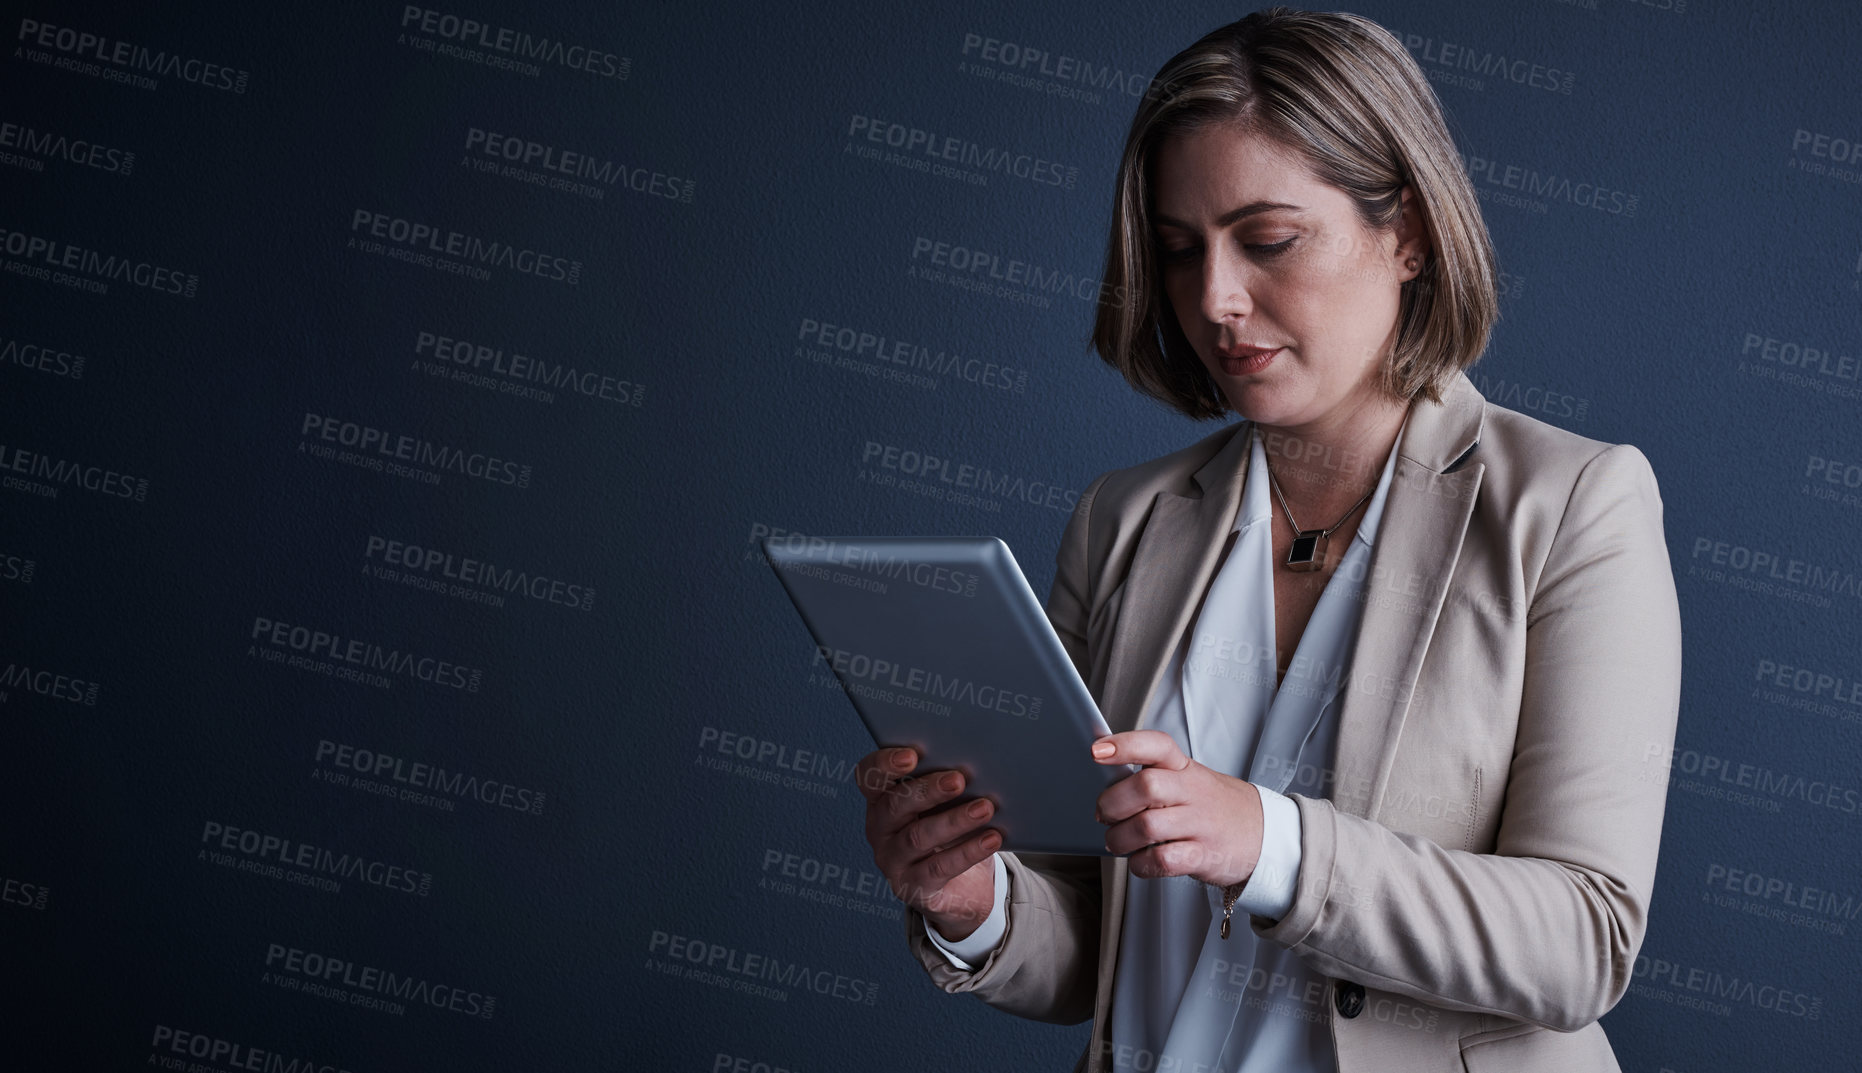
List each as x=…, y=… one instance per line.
x=940, y=644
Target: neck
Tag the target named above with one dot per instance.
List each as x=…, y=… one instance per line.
x=1325, y=466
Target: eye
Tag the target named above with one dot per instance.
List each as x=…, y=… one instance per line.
x=1185, y=254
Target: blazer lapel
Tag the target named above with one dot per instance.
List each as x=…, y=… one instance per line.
x=1170, y=568
x=1426, y=511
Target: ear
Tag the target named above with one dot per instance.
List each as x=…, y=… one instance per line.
x=1412, y=238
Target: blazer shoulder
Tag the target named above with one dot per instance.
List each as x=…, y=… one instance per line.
x=1531, y=452
x=1549, y=486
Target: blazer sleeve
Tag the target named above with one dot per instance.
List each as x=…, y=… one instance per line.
x=1546, y=928
x=1046, y=968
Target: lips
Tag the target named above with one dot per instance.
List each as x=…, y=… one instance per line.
x=1243, y=360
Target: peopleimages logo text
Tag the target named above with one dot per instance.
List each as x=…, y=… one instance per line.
x=555, y=51
x=427, y=238
x=376, y=981
x=470, y=571
x=364, y=654
x=49, y=684
x=365, y=439
x=89, y=46
x=232, y=1055
x=65, y=472
x=269, y=849
x=38, y=255
x=425, y=776
x=51, y=145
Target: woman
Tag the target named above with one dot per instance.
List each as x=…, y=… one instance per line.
x=1402, y=666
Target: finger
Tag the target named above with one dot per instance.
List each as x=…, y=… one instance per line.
x=907, y=798
x=1150, y=827
x=1188, y=855
x=1152, y=788
x=934, y=872
x=878, y=770
x=1147, y=747
x=1163, y=860
x=934, y=831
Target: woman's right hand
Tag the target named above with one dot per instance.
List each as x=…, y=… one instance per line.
x=937, y=862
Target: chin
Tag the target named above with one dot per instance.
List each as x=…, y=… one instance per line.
x=1260, y=402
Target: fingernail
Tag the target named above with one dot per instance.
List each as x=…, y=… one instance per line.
x=1103, y=749
x=902, y=761
x=991, y=840
x=978, y=809
x=949, y=781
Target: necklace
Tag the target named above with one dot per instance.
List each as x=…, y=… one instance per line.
x=1309, y=545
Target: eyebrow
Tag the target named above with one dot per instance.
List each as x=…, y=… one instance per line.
x=1250, y=209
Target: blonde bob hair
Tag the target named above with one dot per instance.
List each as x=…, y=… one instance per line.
x=1342, y=94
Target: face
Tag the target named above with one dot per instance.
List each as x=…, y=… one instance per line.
x=1290, y=303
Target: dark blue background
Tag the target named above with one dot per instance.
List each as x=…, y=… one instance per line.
x=657, y=507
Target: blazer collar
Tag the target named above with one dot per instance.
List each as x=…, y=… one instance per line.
x=1436, y=436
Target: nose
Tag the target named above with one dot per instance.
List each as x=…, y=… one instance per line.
x=1225, y=285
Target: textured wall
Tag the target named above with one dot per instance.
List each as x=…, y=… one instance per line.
x=391, y=409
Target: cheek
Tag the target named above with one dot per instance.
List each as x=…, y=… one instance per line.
x=1347, y=297
x=1309, y=300
x=1335, y=275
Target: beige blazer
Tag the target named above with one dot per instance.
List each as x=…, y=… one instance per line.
x=1476, y=886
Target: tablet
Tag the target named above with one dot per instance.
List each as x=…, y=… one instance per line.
x=941, y=645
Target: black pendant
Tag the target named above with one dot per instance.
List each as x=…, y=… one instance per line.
x=1307, y=551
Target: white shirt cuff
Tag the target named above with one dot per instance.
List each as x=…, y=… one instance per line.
x=1269, y=892
x=975, y=947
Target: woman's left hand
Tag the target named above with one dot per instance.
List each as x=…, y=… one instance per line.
x=1177, y=817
